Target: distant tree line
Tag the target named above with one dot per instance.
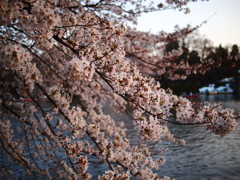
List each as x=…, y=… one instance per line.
x=224, y=63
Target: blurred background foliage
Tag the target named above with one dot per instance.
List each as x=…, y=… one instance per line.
x=225, y=63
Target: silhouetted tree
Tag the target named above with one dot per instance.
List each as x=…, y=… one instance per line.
x=235, y=52
x=194, y=58
x=171, y=46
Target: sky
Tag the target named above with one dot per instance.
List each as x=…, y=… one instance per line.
x=223, y=26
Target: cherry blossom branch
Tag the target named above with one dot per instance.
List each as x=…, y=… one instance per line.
x=67, y=118
x=11, y=110
x=65, y=44
x=42, y=132
x=94, y=5
x=40, y=58
x=148, y=112
x=21, y=159
x=100, y=149
x=75, y=25
x=76, y=54
x=156, y=65
x=29, y=151
x=51, y=100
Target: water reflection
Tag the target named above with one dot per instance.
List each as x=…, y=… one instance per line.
x=217, y=98
x=227, y=100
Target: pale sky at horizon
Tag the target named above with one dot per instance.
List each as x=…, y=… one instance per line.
x=222, y=28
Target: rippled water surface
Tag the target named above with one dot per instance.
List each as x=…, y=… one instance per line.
x=205, y=155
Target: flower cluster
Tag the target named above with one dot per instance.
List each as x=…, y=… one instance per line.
x=14, y=56
x=150, y=129
x=43, y=15
x=17, y=58
x=79, y=69
x=221, y=121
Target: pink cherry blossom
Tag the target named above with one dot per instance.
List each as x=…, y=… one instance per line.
x=78, y=62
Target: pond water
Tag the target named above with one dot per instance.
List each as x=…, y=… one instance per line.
x=205, y=156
